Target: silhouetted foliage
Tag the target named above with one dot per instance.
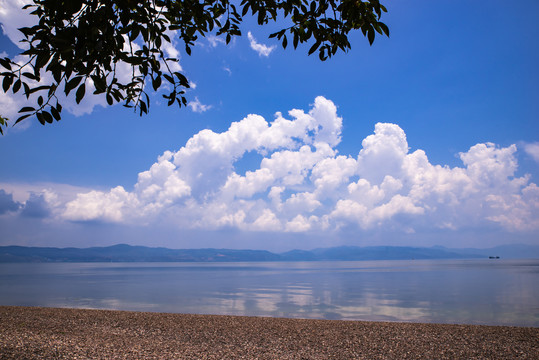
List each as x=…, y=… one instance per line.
x=78, y=42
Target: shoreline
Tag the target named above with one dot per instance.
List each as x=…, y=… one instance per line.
x=66, y=333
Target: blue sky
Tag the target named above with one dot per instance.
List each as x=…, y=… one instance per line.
x=430, y=137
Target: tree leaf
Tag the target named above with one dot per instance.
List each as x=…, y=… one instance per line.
x=26, y=109
x=55, y=113
x=40, y=118
x=71, y=84
x=47, y=117
x=29, y=75
x=169, y=78
x=5, y=62
x=370, y=35
x=384, y=28
x=80, y=93
x=22, y=118
x=42, y=59
x=156, y=82
x=8, y=80
x=314, y=47
x=143, y=108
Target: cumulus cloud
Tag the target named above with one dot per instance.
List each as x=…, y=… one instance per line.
x=302, y=183
x=97, y=205
x=7, y=204
x=37, y=206
x=261, y=49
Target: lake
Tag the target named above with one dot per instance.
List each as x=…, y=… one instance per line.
x=493, y=292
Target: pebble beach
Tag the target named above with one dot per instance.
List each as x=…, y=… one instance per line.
x=52, y=333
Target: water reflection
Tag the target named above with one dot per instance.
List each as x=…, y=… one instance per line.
x=309, y=301
x=481, y=292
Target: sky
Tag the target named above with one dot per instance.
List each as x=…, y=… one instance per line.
x=429, y=137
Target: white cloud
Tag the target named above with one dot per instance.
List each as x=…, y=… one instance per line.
x=532, y=149
x=97, y=205
x=12, y=17
x=302, y=184
x=246, y=186
x=382, y=153
x=268, y=221
x=298, y=224
x=214, y=40
x=261, y=49
x=331, y=173
x=197, y=106
x=171, y=51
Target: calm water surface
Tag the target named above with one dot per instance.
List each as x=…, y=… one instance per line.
x=495, y=292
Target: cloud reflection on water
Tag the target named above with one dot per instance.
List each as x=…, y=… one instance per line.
x=301, y=302
x=453, y=291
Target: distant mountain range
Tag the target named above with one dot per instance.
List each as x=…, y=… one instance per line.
x=128, y=253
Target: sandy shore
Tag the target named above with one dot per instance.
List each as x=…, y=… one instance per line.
x=47, y=333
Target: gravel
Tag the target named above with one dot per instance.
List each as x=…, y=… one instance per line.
x=50, y=333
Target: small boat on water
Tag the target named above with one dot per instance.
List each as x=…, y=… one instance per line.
x=493, y=257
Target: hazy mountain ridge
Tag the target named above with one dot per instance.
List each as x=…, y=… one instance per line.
x=128, y=253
